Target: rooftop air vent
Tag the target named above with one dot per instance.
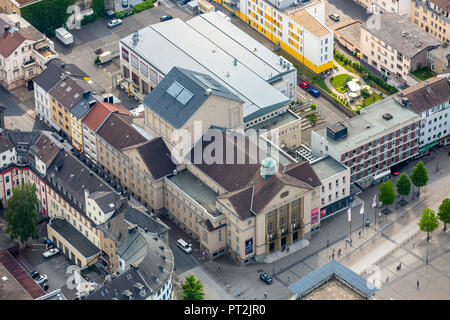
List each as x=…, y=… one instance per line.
x=387, y=116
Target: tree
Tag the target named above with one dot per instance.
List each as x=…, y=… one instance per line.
x=387, y=193
x=444, y=212
x=419, y=176
x=22, y=215
x=365, y=93
x=192, y=289
x=403, y=185
x=428, y=222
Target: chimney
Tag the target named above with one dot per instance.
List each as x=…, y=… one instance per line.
x=86, y=192
x=134, y=266
x=18, y=24
x=86, y=93
x=132, y=227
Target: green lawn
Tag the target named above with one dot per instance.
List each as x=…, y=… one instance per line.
x=340, y=81
x=423, y=73
x=371, y=99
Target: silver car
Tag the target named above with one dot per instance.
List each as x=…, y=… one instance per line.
x=114, y=23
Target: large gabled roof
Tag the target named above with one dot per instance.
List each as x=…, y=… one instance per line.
x=100, y=112
x=181, y=93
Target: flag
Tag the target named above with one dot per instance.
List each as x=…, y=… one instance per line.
x=361, y=211
x=374, y=203
x=349, y=211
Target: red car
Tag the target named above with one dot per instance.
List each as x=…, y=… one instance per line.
x=304, y=84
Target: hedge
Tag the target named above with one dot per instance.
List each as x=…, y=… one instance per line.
x=47, y=15
x=147, y=4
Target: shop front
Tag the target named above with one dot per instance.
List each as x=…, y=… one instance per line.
x=334, y=208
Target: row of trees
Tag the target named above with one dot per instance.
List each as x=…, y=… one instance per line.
x=419, y=178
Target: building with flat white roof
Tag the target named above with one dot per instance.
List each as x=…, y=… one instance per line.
x=296, y=26
x=384, y=134
x=211, y=45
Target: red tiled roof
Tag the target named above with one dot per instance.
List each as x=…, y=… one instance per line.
x=99, y=112
x=9, y=42
x=25, y=280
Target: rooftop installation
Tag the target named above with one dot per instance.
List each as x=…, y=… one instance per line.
x=211, y=51
x=351, y=32
x=370, y=123
x=401, y=34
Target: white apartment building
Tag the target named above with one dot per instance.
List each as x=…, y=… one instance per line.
x=335, y=189
x=7, y=151
x=431, y=101
x=397, y=47
x=402, y=7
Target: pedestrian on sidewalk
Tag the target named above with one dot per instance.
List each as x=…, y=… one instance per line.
x=414, y=244
x=265, y=295
x=339, y=252
x=387, y=279
x=417, y=284
x=359, y=233
x=332, y=255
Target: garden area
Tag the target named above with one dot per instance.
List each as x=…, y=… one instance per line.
x=423, y=73
x=340, y=81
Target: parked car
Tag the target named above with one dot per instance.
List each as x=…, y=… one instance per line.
x=41, y=279
x=124, y=3
x=266, y=278
x=183, y=245
x=110, y=14
x=334, y=16
x=50, y=252
x=165, y=18
x=114, y=23
x=34, y=274
x=395, y=170
x=44, y=286
x=314, y=92
x=303, y=84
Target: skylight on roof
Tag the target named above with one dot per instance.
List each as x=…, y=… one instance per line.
x=76, y=95
x=184, y=96
x=174, y=89
x=63, y=84
x=68, y=89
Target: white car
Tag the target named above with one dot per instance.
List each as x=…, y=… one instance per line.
x=41, y=279
x=115, y=22
x=50, y=252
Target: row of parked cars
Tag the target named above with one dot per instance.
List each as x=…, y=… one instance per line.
x=306, y=86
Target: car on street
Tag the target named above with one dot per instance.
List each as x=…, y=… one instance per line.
x=41, y=279
x=334, y=17
x=124, y=3
x=183, y=245
x=34, y=274
x=303, y=84
x=165, y=18
x=314, y=92
x=266, y=278
x=50, y=252
x=395, y=170
x=114, y=23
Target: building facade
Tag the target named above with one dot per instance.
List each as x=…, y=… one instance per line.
x=431, y=101
x=397, y=48
x=433, y=17
x=297, y=28
x=401, y=7
x=383, y=135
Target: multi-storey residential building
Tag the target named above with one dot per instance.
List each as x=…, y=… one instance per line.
x=63, y=97
x=433, y=17
x=92, y=121
x=335, y=189
x=401, y=7
x=430, y=100
x=384, y=134
x=215, y=47
x=24, y=51
x=8, y=152
x=77, y=113
x=146, y=266
x=297, y=27
x=396, y=48
x=46, y=80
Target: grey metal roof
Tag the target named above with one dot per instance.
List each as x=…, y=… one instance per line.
x=327, y=271
x=198, y=45
x=181, y=92
x=74, y=237
x=48, y=78
x=82, y=107
x=144, y=221
x=393, y=25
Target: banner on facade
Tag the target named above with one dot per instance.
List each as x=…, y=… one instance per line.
x=248, y=246
x=314, y=215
